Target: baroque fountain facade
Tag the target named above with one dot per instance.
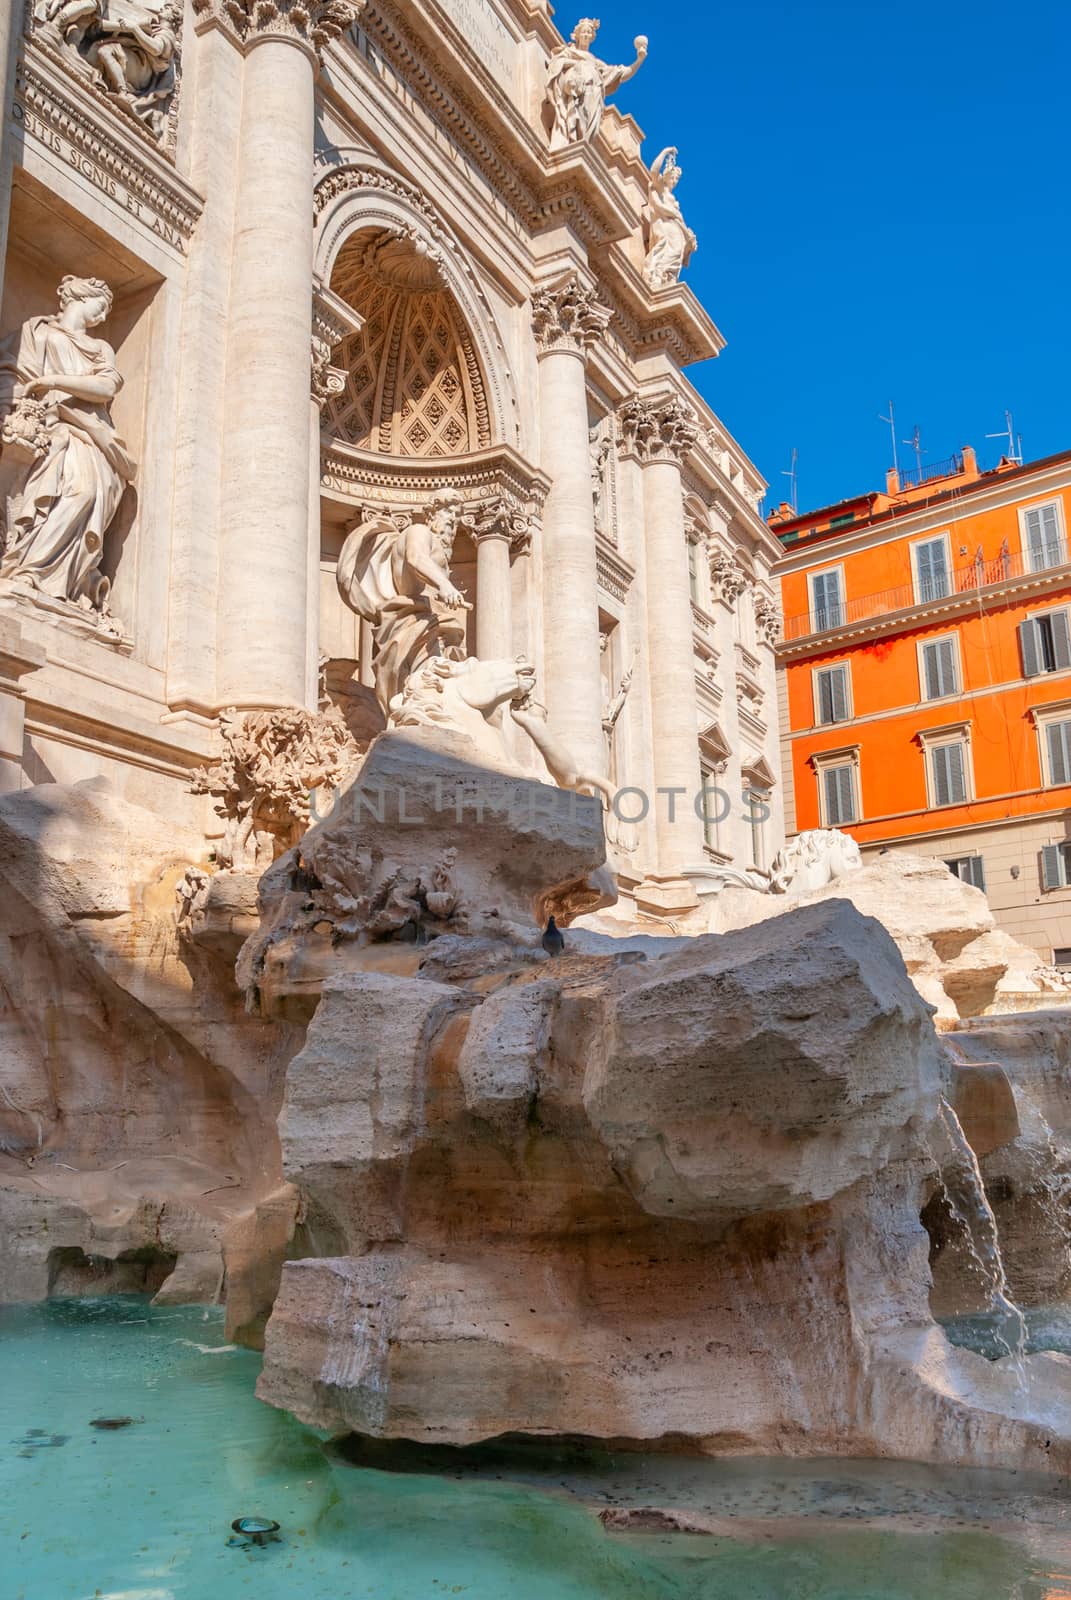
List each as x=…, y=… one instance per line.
x=375, y=586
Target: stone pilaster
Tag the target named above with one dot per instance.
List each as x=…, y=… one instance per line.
x=660, y=432
x=499, y=532
x=11, y=16
x=567, y=320
x=265, y=655
x=18, y=657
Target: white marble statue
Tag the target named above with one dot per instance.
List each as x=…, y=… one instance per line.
x=57, y=383
x=670, y=242
x=812, y=859
x=578, y=84
x=130, y=46
x=398, y=580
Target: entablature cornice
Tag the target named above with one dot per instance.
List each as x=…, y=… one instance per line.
x=647, y=320
x=357, y=477
x=113, y=153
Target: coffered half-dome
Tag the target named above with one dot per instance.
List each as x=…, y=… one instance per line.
x=413, y=380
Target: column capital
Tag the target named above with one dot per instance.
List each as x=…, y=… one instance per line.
x=660, y=429
x=312, y=24
x=728, y=577
x=568, y=316
x=501, y=519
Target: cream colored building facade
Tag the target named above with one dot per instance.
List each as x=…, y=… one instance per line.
x=357, y=253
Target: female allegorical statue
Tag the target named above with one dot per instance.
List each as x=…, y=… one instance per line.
x=56, y=386
x=578, y=83
x=670, y=242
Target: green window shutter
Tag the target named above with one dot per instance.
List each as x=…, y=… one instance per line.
x=949, y=774
x=939, y=669
x=1030, y=645
x=839, y=795
x=1053, y=867
x=833, y=694
x=1059, y=737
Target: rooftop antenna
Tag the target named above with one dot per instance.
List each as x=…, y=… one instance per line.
x=1014, y=452
x=792, y=477
x=915, y=442
x=891, y=420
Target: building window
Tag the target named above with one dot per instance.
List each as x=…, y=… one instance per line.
x=712, y=796
x=839, y=802
x=1061, y=958
x=948, y=773
x=938, y=668
x=831, y=695
x=826, y=602
x=932, y=580
x=968, y=869
x=693, y=574
x=1043, y=540
x=1058, y=751
x=758, y=811
x=1056, y=867
x=1045, y=642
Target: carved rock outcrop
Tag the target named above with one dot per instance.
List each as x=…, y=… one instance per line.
x=673, y=1199
x=137, y=1137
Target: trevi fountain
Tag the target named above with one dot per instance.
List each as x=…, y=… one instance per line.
x=375, y=589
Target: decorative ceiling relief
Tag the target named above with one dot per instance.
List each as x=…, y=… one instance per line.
x=413, y=381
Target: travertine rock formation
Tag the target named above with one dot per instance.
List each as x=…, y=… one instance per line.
x=137, y=1100
x=957, y=957
x=425, y=842
x=672, y=1199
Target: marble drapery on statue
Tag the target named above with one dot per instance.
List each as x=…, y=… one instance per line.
x=398, y=580
x=57, y=379
x=670, y=242
x=578, y=84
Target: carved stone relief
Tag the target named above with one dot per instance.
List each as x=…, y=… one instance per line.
x=568, y=316
x=729, y=579
x=657, y=429
x=127, y=48
x=767, y=617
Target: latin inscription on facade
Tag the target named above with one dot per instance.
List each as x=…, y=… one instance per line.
x=488, y=35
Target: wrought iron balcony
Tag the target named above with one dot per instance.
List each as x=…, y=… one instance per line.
x=975, y=577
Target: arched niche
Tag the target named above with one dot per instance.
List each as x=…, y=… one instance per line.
x=428, y=375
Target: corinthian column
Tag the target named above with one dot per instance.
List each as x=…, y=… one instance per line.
x=661, y=432
x=264, y=646
x=499, y=532
x=567, y=320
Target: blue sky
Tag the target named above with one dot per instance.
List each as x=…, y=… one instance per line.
x=882, y=195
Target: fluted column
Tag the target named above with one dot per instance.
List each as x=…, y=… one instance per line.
x=499, y=531
x=264, y=648
x=661, y=432
x=568, y=320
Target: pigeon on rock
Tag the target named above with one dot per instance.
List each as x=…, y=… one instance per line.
x=553, y=939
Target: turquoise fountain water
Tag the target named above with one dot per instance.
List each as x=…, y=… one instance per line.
x=143, y=1512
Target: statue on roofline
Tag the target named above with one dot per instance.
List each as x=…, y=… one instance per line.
x=578, y=84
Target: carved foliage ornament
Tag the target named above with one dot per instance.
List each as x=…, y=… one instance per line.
x=568, y=316
x=314, y=22
x=501, y=518
x=658, y=429
x=326, y=382
x=270, y=762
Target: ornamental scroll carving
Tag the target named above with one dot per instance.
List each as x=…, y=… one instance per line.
x=659, y=429
x=129, y=49
x=568, y=316
x=316, y=23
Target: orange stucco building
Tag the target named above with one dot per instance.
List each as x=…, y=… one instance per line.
x=926, y=678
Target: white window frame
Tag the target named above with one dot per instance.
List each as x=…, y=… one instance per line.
x=843, y=602
x=931, y=739
x=916, y=544
x=847, y=756
x=1024, y=538
x=920, y=649
x=816, y=702
x=1055, y=711
x=1038, y=616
